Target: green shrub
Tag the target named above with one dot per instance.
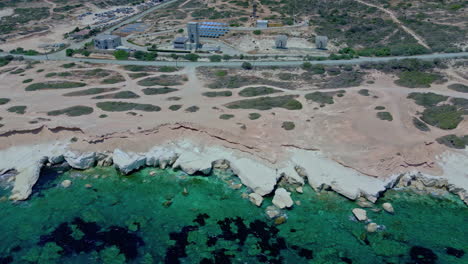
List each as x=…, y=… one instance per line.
x=379, y=108
x=453, y=141
x=69, y=65
x=4, y=101
x=443, y=116
x=427, y=99
x=254, y=116
x=113, y=80
x=221, y=73
x=321, y=98
x=192, y=109
x=28, y=80
x=121, y=55
x=191, y=57
x=416, y=79
x=385, y=116
x=288, y=125
x=168, y=69
x=163, y=80
x=125, y=106
x=420, y=125
x=156, y=91
x=175, y=107
x=216, y=58
x=20, y=109
x=257, y=32
x=78, y=110
x=257, y=91
x=364, y=92
x=218, y=94
x=118, y=95
x=226, y=116
x=459, y=87
x=247, y=66
x=91, y=91
x=267, y=103
x=54, y=85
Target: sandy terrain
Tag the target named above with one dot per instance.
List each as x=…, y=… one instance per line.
x=6, y=12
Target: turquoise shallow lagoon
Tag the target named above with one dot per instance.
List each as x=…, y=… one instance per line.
x=170, y=217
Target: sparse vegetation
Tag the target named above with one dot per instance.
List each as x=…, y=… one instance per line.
x=91, y=91
x=163, y=80
x=156, y=91
x=118, y=95
x=288, y=125
x=443, y=116
x=416, y=79
x=20, y=109
x=320, y=97
x=385, y=116
x=364, y=92
x=257, y=91
x=113, y=79
x=379, y=108
x=427, y=99
x=175, y=107
x=73, y=111
x=4, y=101
x=68, y=65
x=54, y=85
x=266, y=103
x=218, y=94
x=126, y=106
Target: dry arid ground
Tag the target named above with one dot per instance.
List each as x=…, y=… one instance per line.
x=348, y=130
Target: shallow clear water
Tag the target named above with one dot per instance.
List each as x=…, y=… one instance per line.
x=151, y=219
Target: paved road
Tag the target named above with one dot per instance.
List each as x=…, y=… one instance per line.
x=54, y=57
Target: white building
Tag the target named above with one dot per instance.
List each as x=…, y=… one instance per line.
x=262, y=23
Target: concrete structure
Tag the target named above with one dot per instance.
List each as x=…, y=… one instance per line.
x=124, y=48
x=194, y=34
x=105, y=41
x=281, y=41
x=262, y=23
x=321, y=42
x=180, y=43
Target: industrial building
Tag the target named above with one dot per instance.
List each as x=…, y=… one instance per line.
x=105, y=41
x=213, y=29
x=262, y=23
x=181, y=43
x=194, y=34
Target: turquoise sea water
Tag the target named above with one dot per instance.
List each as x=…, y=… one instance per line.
x=171, y=217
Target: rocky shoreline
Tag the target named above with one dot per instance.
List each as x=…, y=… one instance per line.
x=263, y=178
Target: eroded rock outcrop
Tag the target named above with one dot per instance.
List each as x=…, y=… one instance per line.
x=193, y=162
x=282, y=198
x=26, y=178
x=360, y=214
x=256, y=199
x=161, y=157
x=127, y=162
x=260, y=178
x=81, y=161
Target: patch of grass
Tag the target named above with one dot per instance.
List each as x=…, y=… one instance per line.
x=174, y=98
x=321, y=98
x=385, y=116
x=126, y=106
x=427, y=99
x=54, y=85
x=137, y=68
x=364, y=92
x=114, y=79
x=226, y=116
x=288, y=125
x=138, y=75
x=118, y=95
x=237, y=81
x=163, y=80
x=257, y=91
x=379, y=108
x=254, y=116
x=192, y=109
x=443, y=116
x=17, y=71
x=28, y=80
x=167, y=69
x=103, y=116
x=221, y=73
x=459, y=87
x=420, y=125
x=344, y=80
x=68, y=65
x=4, y=101
x=51, y=74
x=175, y=107
x=266, y=103
x=156, y=91
x=453, y=141
x=73, y=111
x=416, y=79
x=91, y=91
x=20, y=109
x=218, y=94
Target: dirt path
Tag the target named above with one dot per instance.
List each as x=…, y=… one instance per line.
x=54, y=5
x=398, y=22
x=184, y=3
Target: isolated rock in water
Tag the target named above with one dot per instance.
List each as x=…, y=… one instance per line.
x=362, y=202
x=66, y=183
x=372, y=227
x=80, y=161
x=282, y=198
x=260, y=178
x=256, y=199
x=128, y=162
x=272, y=211
x=161, y=157
x=299, y=189
x=360, y=214
x=192, y=162
x=388, y=208
x=25, y=180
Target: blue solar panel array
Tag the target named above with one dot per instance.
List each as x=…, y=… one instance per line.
x=213, y=29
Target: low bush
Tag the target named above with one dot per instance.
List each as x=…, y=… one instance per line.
x=254, y=116
x=192, y=109
x=54, y=85
x=320, y=97
x=156, y=91
x=20, y=109
x=420, y=125
x=379, y=108
x=73, y=111
x=427, y=99
x=175, y=107
x=416, y=79
x=226, y=116
x=443, y=116
x=459, y=87
x=91, y=91
x=364, y=92
x=118, y=95
x=288, y=125
x=385, y=116
x=266, y=103
x=257, y=91
x=453, y=141
x=126, y=106
x=218, y=94
x=4, y=101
